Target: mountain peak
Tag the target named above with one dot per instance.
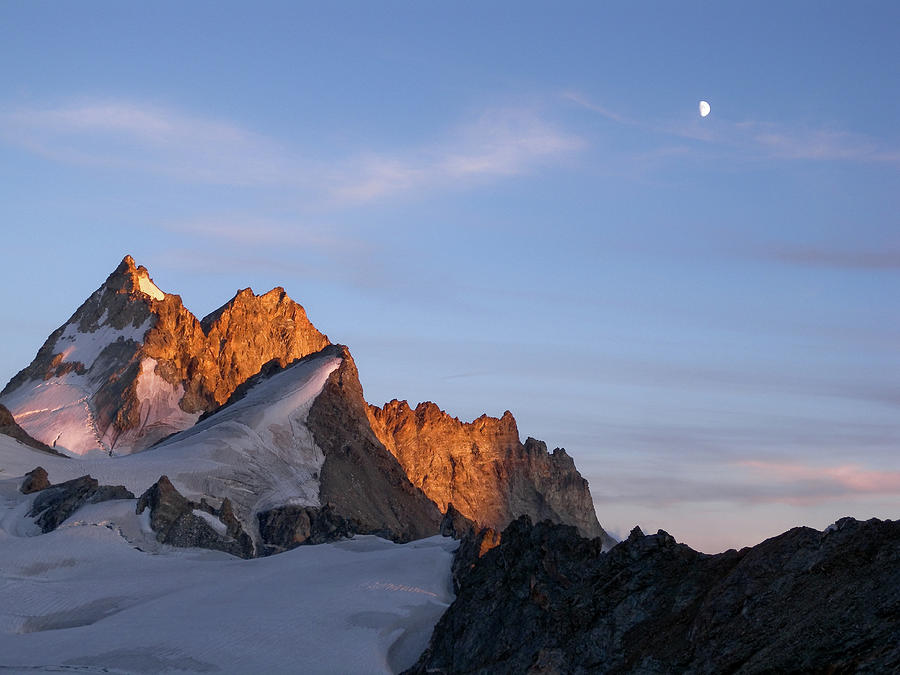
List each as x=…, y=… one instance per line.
x=130, y=277
x=132, y=364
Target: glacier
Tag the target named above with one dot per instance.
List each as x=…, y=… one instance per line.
x=100, y=594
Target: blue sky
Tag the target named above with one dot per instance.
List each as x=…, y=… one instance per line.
x=512, y=206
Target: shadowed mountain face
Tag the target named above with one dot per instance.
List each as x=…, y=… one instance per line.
x=483, y=469
x=548, y=601
x=360, y=478
x=132, y=365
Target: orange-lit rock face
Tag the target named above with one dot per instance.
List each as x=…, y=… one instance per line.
x=215, y=355
x=491, y=539
x=483, y=468
x=152, y=367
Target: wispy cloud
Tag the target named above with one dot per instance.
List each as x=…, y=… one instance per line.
x=127, y=135
x=292, y=248
x=761, y=139
x=134, y=136
x=251, y=230
x=602, y=110
x=501, y=143
x=822, y=144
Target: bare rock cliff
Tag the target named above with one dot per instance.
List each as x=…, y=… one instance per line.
x=362, y=480
x=484, y=470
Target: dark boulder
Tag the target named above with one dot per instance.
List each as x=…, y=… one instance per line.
x=173, y=520
x=55, y=503
x=286, y=527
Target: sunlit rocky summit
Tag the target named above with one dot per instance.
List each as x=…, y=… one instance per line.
x=132, y=365
x=254, y=405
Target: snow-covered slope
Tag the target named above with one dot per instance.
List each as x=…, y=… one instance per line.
x=84, y=598
x=258, y=451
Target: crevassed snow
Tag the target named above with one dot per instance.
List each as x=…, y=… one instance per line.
x=56, y=411
x=258, y=452
x=83, y=598
x=76, y=346
x=149, y=288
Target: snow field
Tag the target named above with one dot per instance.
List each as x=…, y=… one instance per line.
x=100, y=594
x=83, y=598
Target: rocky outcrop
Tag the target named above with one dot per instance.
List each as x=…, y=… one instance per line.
x=548, y=601
x=483, y=468
x=287, y=527
x=456, y=525
x=54, y=504
x=133, y=365
x=360, y=479
x=35, y=480
x=178, y=521
x=474, y=542
x=8, y=427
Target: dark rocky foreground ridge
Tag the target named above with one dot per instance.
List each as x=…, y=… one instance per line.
x=548, y=601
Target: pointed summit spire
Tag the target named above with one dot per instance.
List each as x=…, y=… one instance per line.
x=130, y=277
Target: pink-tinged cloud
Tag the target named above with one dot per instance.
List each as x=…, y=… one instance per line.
x=849, y=478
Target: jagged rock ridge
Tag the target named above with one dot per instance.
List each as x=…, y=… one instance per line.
x=133, y=369
x=483, y=469
x=133, y=365
x=548, y=601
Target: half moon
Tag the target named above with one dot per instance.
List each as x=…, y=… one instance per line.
x=704, y=108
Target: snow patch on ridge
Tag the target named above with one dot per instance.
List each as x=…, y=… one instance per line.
x=76, y=346
x=212, y=521
x=149, y=288
x=159, y=401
